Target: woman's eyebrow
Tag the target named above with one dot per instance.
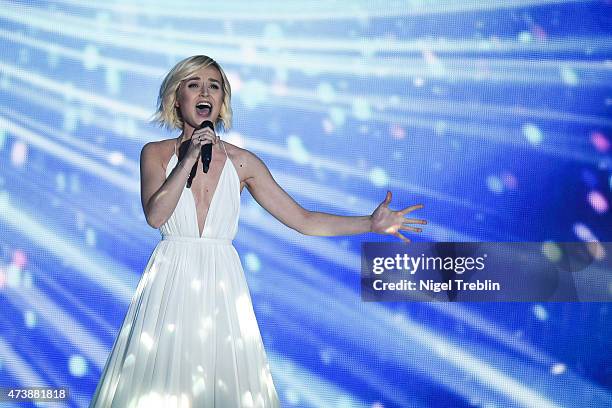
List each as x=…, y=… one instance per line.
x=196, y=78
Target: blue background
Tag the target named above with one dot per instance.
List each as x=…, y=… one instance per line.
x=494, y=115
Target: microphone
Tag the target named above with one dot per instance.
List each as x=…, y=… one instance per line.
x=206, y=151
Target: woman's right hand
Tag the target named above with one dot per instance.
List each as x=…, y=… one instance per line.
x=199, y=138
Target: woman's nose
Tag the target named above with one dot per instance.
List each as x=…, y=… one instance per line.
x=204, y=90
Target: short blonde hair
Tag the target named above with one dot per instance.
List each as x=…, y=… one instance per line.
x=168, y=115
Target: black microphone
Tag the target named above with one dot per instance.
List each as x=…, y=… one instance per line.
x=206, y=151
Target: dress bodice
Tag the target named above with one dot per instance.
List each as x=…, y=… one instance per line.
x=223, y=213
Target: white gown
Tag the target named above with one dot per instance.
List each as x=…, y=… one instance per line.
x=190, y=337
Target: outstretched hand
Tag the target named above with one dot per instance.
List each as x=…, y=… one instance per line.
x=387, y=221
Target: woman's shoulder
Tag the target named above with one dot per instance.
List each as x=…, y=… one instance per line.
x=159, y=150
x=238, y=152
x=235, y=152
x=246, y=161
x=159, y=144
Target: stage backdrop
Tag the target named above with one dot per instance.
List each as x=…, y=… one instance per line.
x=493, y=114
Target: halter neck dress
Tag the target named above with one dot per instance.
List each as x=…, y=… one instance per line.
x=190, y=337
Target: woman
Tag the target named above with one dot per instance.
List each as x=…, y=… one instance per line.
x=190, y=337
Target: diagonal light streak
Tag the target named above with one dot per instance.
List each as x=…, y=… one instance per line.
x=311, y=390
x=340, y=65
x=69, y=92
x=102, y=171
x=459, y=367
x=64, y=325
x=112, y=176
x=428, y=352
x=457, y=65
x=84, y=147
x=300, y=10
x=92, y=265
x=489, y=133
x=27, y=377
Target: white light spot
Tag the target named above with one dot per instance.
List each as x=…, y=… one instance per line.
x=569, y=76
x=361, y=109
x=297, y=151
x=146, y=340
x=199, y=386
x=13, y=276
x=77, y=365
x=91, y=57
x=440, y=127
x=60, y=182
x=221, y=384
x=558, y=368
x=90, y=237
x=246, y=318
x=378, y=177
x=129, y=361
x=30, y=319
x=495, y=184
x=196, y=284
x=252, y=262
x=337, y=116
x=532, y=133
x=540, y=312
x=247, y=400
x=525, y=37
x=552, y=251
x=326, y=92
x=116, y=158
x=113, y=81
x=19, y=153
x=75, y=184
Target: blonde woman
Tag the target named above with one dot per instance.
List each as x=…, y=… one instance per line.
x=190, y=337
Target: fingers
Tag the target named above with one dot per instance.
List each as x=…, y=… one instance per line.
x=414, y=221
x=387, y=198
x=204, y=136
x=409, y=228
x=411, y=208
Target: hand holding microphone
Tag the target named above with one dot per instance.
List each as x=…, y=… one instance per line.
x=201, y=143
x=207, y=148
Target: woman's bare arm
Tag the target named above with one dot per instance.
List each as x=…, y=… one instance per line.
x=159, y=195
x=283, y=207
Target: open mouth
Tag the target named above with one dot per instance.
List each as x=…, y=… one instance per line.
x=203, y=108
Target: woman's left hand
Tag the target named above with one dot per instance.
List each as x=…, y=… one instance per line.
x=387, y=221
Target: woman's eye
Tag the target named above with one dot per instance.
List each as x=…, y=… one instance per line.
x=214, y=86
x=192, y=85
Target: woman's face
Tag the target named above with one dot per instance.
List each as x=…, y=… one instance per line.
x=200, y=97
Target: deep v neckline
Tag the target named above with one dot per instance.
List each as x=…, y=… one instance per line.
x=212, y=200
